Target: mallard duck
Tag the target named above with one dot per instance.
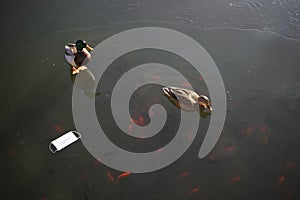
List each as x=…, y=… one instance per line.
x=78, y=55
x=190, y=100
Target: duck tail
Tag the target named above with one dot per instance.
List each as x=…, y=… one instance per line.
x=166, y=90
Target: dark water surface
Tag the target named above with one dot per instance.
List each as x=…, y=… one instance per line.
x=255, y=46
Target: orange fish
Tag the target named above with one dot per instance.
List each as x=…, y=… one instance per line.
x=110, y=177
x=139, y=121
x=123, y=175
x=265, y=139
x=235, y=179
x=155, y=77
x=85, y=177
x=290, y=166
x=58, y=129
x=185, y=85
x=230, y=149
x=159, y=150
x=281, y=180
x=151, y=113
x=183, y=175
x=249, y=130
x=194, y=190
x=130, y=128
x=263, y=128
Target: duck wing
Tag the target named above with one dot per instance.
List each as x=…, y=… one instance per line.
x=184, y=94
x=82, y=57
x=187, y=99
x=70, y=49
x=79, y=58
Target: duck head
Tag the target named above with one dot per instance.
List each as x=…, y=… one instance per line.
x=80, y=44
x=204, y=103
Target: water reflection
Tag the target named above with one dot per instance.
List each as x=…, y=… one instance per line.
x=85, y=80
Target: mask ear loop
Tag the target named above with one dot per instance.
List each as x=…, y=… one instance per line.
x=52, y=148
x=78, y=135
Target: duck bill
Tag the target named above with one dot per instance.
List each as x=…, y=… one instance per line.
x=89, y=48
x=205, y=107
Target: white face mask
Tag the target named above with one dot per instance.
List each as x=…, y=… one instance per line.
x=63, y=141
